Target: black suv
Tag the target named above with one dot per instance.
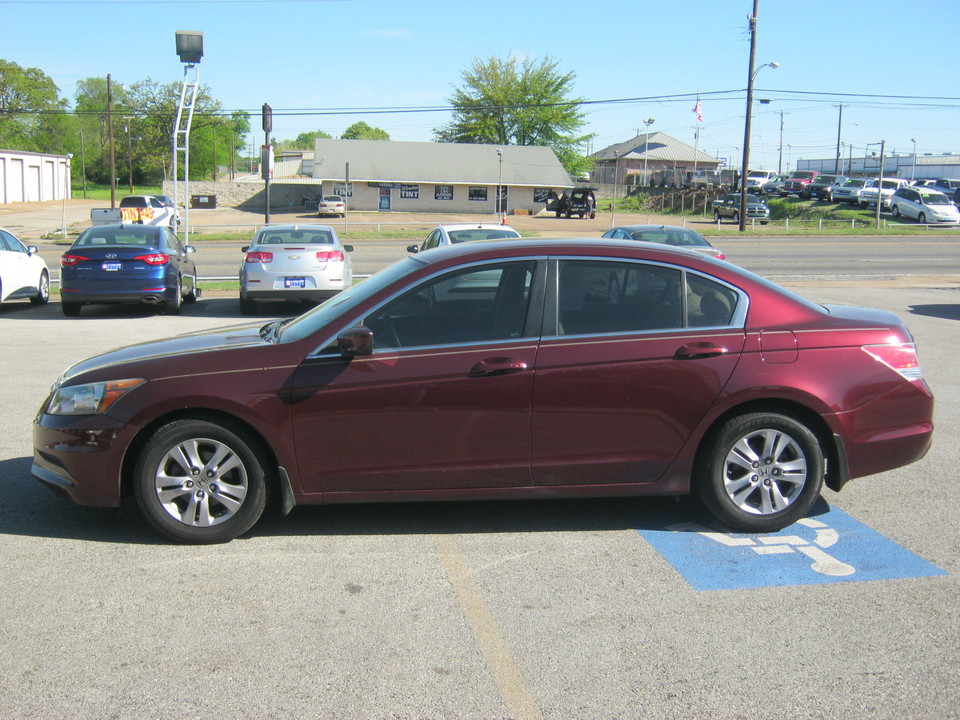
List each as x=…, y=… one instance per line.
x=581, y=202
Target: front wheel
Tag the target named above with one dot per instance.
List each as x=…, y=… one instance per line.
x=761, y=472
x=200, y=482
x=43, y=290
x=896, y=211
x=716, y=216
x=922, y=219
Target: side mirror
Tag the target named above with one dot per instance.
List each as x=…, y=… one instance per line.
x=355, y=341
x=413, y=248
x=189, y=249
x=244, y=248
x=32, y=250
x=348, y=248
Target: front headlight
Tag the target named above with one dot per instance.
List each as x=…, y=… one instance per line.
x=91, y=398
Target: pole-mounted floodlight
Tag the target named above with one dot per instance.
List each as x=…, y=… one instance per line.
x=189, y=46
x=190, y=50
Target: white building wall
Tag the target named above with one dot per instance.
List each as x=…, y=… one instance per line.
x=33, y=177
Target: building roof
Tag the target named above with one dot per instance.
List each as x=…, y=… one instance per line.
x=655, y=146
x=438, y=163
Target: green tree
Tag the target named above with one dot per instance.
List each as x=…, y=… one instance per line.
x=303, y=141
x=519, y=102
x=32, y=114
x=361, y=131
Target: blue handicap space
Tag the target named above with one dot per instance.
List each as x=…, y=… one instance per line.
x=828, y=548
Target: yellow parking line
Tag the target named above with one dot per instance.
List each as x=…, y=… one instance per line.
x=513, y=689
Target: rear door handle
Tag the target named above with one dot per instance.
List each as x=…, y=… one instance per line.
x=693, y=351
x=497, y=366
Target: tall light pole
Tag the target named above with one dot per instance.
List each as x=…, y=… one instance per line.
x=751, y=75
x=127, y=118
x=66, y=192
x=190, y=50
x=913, y=170
x=113, y=157
x=500, y=216
x=646, y=147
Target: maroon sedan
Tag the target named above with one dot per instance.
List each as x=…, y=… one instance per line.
x=554, y=368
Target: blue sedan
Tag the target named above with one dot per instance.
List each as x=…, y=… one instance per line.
x=127, y=264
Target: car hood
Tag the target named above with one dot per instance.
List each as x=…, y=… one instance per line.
x=183, y=346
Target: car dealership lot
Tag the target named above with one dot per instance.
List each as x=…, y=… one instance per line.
x=553, y=609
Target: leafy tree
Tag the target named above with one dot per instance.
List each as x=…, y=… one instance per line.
x=31, y=110
x=303, y=141
x=361, y=131
x=519, y=102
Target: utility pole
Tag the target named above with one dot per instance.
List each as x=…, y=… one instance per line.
x=780, y=159
x=836, y=170
x=113, y=157
x=746, y=126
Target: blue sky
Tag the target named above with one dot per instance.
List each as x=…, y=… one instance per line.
x=327, y=55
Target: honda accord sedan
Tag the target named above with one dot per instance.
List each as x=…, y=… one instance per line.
x=548, y=368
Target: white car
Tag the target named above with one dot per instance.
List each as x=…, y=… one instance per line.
x=148, y=210
x=293, y=262
x=331, y=205
x=464, y=232
x=23, y=273
x=868, y=196
x=925, y=205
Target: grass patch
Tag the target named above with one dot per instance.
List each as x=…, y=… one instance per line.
x=102, y=192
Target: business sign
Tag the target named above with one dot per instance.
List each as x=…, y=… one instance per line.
x=477, y=193
x=343, y=189
x=830, y=547
x=410, y=192
x=541, y=195
x=443, y=192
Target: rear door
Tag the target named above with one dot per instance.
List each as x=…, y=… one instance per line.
x=633, y=356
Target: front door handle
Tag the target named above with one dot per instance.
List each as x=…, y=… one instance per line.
x=695, y=350
x=497, y=366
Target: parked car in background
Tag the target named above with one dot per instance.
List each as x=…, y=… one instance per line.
x=581, y=202
x=23, y=273
x=871, y=191
x=924, y=204
x=463, y=232
x=543, y=368
x=849, y=191
x=772, y=186
x=946, y=185
x=729, y=207
x=331, y=205
x=293, y=262
x=757, y=179
x=822, y=188
x=924, y=182
x=124, y=263
x=148, y=210
x=797, y=182
x=672, y=235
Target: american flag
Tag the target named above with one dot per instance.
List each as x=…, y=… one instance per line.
x=698, y=109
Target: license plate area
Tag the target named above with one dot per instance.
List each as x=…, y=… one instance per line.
x=295, y=282
x=112, y=266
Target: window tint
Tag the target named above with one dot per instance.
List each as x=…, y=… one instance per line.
x=709, y=304
x=480, y=304
x=614, y=297
x=5, y=243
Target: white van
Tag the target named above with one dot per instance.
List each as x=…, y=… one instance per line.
x=756, y=179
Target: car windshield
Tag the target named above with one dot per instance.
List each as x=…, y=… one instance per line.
x=890, y=185
x=459, y=236
x=801, y=176
x=670, y=237
x=754, y=199
x=342, y=303
x=854, y=183
x=125, y=235
x=295, y=237
x=935, y=199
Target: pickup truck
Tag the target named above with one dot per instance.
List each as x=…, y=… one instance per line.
x=137, y=209
x=729, y=207
x=797, y=183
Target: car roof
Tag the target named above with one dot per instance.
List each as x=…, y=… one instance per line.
x=473, y=226
x=294, y=226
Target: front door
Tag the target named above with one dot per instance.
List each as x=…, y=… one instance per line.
x=442, y=403
x=384, y=199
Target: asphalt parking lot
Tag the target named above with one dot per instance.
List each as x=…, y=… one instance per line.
x=537, y=609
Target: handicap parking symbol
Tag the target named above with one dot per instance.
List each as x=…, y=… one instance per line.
x=834, y=547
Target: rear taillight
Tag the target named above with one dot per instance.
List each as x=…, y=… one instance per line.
x=154, y=258
x=71, y=260
x=330, y=256
x=259, y=257
x=901, y=357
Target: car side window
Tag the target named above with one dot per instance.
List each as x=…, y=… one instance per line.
x=432, y=240
x=486, y=303
x=596, y=297
x=708, y=303
x=5, y=243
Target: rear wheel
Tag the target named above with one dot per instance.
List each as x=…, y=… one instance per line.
x=922, y=218
x=896, y=211
x=200, y=482
x=43, y=290
x=736, y=216
x=172, y=307
x=70, y=309
x=761, y=472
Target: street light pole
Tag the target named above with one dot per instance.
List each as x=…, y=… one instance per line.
x=646, y=148
x=913, y=170
x=500, y=216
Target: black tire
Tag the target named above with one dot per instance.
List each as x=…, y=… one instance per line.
x=736, y=216
x=922, y=218
x=191, y=297
x=716, y=216
x=219, y=497
x=896, y=211
x=43, y=290
x=172, y=307
x=746, y=486
x=70, y=309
